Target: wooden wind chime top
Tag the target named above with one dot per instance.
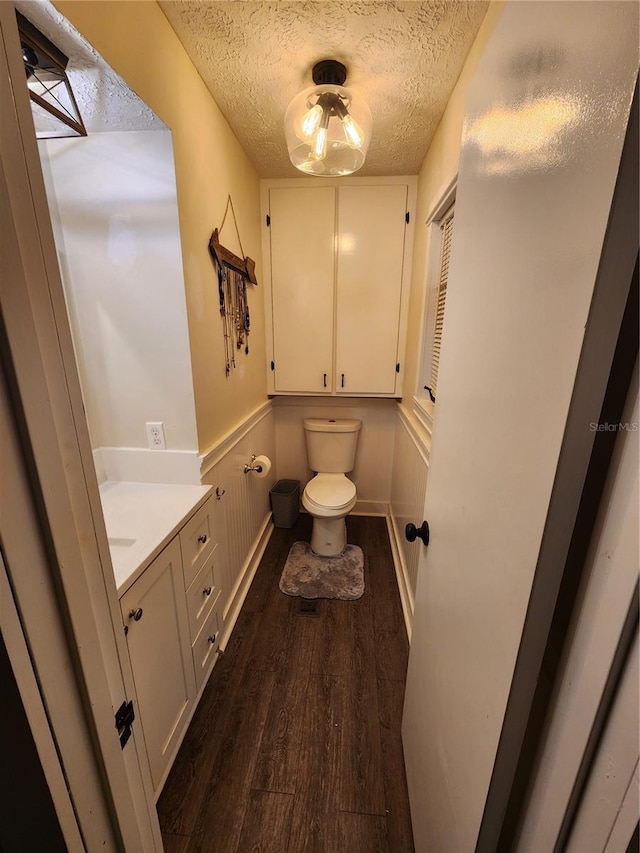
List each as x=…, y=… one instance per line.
x=233, y=274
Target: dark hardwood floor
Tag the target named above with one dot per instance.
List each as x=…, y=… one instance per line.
x=295, y=746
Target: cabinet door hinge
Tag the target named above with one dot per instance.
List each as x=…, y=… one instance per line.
x=125, y=715
x=273, y=365
x=398, y=367
x=268, y=220
x=407, y=217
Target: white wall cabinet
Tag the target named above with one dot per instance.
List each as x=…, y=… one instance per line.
x=172, y=627
x=302, y=233
x=339, y=262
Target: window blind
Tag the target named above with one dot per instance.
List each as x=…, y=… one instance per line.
x=446, y=225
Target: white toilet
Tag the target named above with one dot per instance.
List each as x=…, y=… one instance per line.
x=330, y=496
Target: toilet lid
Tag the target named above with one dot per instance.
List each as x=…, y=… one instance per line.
x=331, y=490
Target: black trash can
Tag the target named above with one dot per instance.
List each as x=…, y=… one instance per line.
x=285, y=502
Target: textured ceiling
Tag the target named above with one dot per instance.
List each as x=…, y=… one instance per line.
x=403, y=57
x=105, y=101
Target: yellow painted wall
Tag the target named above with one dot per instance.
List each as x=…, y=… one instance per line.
x=439, y=168
x=135, y=38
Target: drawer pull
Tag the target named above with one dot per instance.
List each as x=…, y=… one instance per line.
x=207, y=590
x=135, y=614
x=212, y=638
x=203, y=538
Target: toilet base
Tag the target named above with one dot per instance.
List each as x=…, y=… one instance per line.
x=329, y=536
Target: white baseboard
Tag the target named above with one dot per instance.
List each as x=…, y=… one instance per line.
x=406, y=598
x=236, y=600
x=370, y=508
x=139, y=465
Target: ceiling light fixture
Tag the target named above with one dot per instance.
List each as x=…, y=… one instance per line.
x=328, y=128
x=54, y=108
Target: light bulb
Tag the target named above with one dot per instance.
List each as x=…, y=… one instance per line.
x=311, y=120
x=320, y=147
x=353, y=132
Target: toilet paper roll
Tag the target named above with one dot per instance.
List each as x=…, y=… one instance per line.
x=264, y=464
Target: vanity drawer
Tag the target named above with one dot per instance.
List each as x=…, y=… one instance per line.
x=197, y=541
x=201, y=596
x=205, y=647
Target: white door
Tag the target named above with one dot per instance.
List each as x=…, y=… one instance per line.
x=533, y=199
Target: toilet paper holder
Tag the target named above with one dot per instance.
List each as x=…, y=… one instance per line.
x=252, y=467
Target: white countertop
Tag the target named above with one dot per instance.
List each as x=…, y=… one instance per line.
x=141, y=518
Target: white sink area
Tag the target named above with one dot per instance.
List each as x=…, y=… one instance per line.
x=140, y=519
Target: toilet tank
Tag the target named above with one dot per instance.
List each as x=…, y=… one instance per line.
x=331, y=444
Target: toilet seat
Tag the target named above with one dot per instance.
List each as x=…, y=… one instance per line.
x=330, y=492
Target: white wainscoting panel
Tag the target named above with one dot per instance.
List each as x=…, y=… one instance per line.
x=408, y=490
x=245, y=520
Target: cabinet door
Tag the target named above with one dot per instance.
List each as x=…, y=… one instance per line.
x=302, y=287
x=371, y=231
x=160, y=652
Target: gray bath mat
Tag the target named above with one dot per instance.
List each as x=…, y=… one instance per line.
x=310, y=576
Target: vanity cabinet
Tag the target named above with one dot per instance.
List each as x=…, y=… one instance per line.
x=339, y=265
x=154, y=612
x=171, y=619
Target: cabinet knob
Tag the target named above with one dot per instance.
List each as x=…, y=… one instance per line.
x=135, y=614
x=207, y=590
x=203, y=538
x=213, y=638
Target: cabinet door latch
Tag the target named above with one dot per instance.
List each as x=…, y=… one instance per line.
x=125, y=715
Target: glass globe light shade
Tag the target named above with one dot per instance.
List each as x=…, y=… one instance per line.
x=328, y=130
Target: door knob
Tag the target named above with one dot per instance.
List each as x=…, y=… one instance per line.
x=412, y=532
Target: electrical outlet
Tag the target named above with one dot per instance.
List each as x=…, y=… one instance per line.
x=155, y=435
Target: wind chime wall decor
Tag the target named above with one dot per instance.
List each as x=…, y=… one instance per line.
x=233, y=275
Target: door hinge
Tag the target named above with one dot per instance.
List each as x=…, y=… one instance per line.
x=268, y=220
x=125, y=715
x=273, y=365
x=407, y=217
x=398, y=367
